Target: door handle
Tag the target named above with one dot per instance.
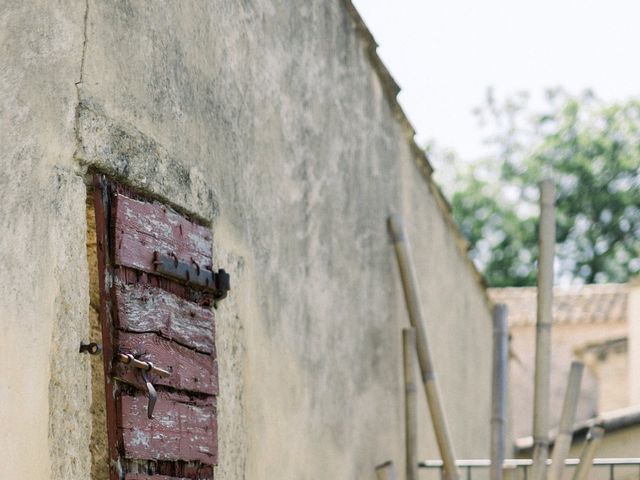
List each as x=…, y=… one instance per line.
x=151, y=394
x=145, y=369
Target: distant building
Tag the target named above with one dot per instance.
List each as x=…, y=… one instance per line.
x=621, y=440
x=598, y=324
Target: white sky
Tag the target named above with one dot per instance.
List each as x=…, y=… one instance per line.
x=444, y=54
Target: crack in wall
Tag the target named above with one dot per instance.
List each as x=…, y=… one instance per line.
x=84, y=46
x=78, y=84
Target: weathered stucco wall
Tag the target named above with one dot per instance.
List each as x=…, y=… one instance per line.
x=44, y=387
x=271, y=123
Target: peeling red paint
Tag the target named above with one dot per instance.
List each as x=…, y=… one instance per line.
x=160, y=321
x=143, y=308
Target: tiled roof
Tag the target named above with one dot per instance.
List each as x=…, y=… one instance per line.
x=596, y=303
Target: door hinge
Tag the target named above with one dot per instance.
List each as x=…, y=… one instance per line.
x=193, y=274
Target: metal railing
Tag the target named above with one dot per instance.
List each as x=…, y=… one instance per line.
x=519, y=468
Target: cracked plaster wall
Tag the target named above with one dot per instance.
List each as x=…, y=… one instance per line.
x=44, y=392
x=270, y=123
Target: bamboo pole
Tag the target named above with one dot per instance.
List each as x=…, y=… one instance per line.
x=410, y=402
x=543, y=331
x=386, y=471
x=596, y=433
x=565, y=430
x=499, y=390
x=414, y=307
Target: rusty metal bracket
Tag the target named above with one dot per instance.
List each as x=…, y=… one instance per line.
x=145, y=369
x=193, y=274
x=92, y=348
x=129, y=359
x=151, y=394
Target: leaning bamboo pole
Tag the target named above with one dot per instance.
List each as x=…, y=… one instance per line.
x=414, y=306
x=565, y=431
x=543, y=331
x=410, y=402
x=594, y=438
x=499, y=390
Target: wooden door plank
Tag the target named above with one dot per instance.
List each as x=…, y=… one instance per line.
x=187, y=470
x=190, y=370
x=131, y=276
x=163, y=321
x=169, y=470
x=140, y=476
x=142, y=228
x=102, y=206
x=143, y=308
x=180, y=430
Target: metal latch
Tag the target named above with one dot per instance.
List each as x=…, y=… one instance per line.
x=145, y=368
x=218, y=282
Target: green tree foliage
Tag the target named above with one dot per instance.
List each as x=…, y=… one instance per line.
x=591, y=150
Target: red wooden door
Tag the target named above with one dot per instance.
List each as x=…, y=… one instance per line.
x=157, y=287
